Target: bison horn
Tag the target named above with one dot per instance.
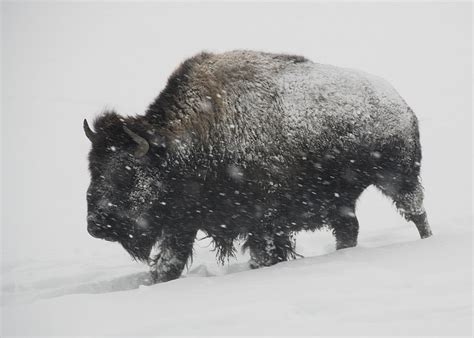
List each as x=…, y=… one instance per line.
x=89, y=133
x=143, y=145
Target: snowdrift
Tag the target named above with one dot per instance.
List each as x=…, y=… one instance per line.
x=408, y=287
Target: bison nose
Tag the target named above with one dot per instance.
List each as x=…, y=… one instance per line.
x=96, y=231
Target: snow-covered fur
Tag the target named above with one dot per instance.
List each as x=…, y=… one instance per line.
x=253, y=146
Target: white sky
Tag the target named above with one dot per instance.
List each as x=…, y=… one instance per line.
x=62, y=62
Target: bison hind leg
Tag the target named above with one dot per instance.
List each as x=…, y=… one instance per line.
x=345, y=225
x=269, y=248
x=407, y=194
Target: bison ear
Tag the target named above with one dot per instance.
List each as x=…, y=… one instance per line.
x=142, y=144
x=89, y=133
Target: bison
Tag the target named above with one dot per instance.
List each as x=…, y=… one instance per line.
x=250, y=146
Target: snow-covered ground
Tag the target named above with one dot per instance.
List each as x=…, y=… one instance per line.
x=64, y=62
x=392, y=283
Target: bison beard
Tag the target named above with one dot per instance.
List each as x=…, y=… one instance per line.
x=255, y=147
x=139, y=250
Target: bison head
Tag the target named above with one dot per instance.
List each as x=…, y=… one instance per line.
x=125, y=182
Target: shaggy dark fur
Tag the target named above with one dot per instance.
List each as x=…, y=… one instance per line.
x=223, y=160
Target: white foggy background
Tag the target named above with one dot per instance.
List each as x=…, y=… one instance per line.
x=62, y=62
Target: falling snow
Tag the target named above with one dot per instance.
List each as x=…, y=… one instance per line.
x=392, y=283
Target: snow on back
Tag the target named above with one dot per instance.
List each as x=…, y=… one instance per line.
x=270, y=105
x=328, y=96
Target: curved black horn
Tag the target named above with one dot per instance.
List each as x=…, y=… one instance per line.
x=143, y=145
x=89, y=133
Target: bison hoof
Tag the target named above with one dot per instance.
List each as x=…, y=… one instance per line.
x=425, y=234
x=254, y=264
x=260, y=263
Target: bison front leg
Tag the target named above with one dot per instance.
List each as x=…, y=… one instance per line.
x=174, y=250
x=268, y=248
